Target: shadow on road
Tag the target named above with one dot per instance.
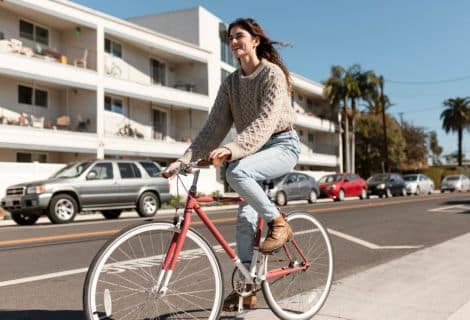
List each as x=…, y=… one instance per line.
x=458, y=201
x=42, y=315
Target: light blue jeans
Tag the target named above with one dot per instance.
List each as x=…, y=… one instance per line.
x=276, y=158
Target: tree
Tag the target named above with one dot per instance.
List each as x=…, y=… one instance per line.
x=416, y=150
x=456, y=118
x=370, y=142
x=336, y=91
x=354, y=92
x=435, y=148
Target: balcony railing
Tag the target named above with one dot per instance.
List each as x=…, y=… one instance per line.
x=62, y=122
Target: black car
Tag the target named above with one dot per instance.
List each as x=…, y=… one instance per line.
x=293, y=186
x=386, y=184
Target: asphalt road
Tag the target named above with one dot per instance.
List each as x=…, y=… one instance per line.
x=42, y=267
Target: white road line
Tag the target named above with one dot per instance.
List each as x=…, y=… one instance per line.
x=216, y=248
x=367, y=244
x=42, y=277
x=450, y=209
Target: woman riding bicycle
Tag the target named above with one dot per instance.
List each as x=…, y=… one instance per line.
x=256, y=100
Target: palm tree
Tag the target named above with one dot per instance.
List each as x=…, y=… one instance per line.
x=377, y=103
x=354, y=92
x=336, y=91
x=456, y=118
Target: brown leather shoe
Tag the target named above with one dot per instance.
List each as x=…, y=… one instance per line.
x=279, y=233
x=231, y=301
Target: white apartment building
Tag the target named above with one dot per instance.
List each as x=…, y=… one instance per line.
x=76, y=83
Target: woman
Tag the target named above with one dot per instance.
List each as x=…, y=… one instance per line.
x=256, y=100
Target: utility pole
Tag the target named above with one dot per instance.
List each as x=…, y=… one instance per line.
x=382, y=102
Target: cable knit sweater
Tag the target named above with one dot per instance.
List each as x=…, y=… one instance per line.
x=258, y=105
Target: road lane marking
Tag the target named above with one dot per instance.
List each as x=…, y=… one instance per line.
x=217, y=249
x=85, y=234
x=367, y=244
x=110, y=232
x=451, y=209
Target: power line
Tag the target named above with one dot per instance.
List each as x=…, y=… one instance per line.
x=429, y=82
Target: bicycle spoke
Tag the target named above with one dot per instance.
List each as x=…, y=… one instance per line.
x=126, y=280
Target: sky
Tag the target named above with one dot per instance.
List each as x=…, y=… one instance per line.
x=421, y=48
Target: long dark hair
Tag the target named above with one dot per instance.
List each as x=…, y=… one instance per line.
x=266, y=48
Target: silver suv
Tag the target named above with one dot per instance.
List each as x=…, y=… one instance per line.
x=109, y=186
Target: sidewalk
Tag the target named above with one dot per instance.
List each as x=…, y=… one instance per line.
x=430, y=284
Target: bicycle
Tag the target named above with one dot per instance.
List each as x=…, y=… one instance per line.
x=159, y=270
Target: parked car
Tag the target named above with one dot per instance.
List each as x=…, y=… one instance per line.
x=418, y=183
x=341, y=185
x=109, y=186
x=386, y=184
x=455, y=183
x=293, y=186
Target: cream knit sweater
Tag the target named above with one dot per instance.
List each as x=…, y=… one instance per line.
x=259, y=105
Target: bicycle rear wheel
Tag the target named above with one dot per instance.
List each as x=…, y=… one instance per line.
x=121, y=281
x=301, y=294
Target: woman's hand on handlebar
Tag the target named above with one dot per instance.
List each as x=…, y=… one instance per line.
x=219, y=155
x=172, y=169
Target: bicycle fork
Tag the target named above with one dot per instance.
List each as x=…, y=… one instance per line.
x=181, y=229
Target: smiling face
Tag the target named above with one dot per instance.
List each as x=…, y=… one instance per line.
x=242, y=43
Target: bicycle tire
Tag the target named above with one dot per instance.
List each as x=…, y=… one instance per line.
x=300, y=295
x=125, y=280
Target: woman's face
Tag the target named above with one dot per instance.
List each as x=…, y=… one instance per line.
x=242, y=43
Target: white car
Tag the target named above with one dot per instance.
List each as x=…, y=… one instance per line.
x=418, y=183
x=455, y=183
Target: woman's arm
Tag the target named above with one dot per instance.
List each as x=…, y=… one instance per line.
x=215, y=129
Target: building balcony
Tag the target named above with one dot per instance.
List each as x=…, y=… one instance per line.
x=315, y=123
x=139, y=147
x=322, y=155
x=318, y=159
x=33, y=138
x=19, y=65
x=157, y=93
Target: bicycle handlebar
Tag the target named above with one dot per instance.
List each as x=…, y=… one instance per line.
x=187, y=168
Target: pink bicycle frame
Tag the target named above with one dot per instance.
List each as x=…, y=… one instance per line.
x=192, y=203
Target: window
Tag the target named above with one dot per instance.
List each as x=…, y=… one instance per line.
x=310, y=137
x=104, y=171
x=24, y=157
x=158, y=71
x=114, y=105
x=40, y=98
x=159, y=124
x=225, y=52
x=302, y=178
x=2, y=36
x=223, y=74
x=152, y=169
x=113, y=48
x=25, y=95
x=292, y=178
x=42, y=158
x=34, y=32
x=26, y=30
x=128, y=170
x=30, y=157
x=42, y=35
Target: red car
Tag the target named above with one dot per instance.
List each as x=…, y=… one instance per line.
x=340, y=185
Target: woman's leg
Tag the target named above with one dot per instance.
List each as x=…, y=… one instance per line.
x=244, y=176
x=246, y=229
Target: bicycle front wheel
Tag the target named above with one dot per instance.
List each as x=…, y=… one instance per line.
x=122, y=281
x=300, y=295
